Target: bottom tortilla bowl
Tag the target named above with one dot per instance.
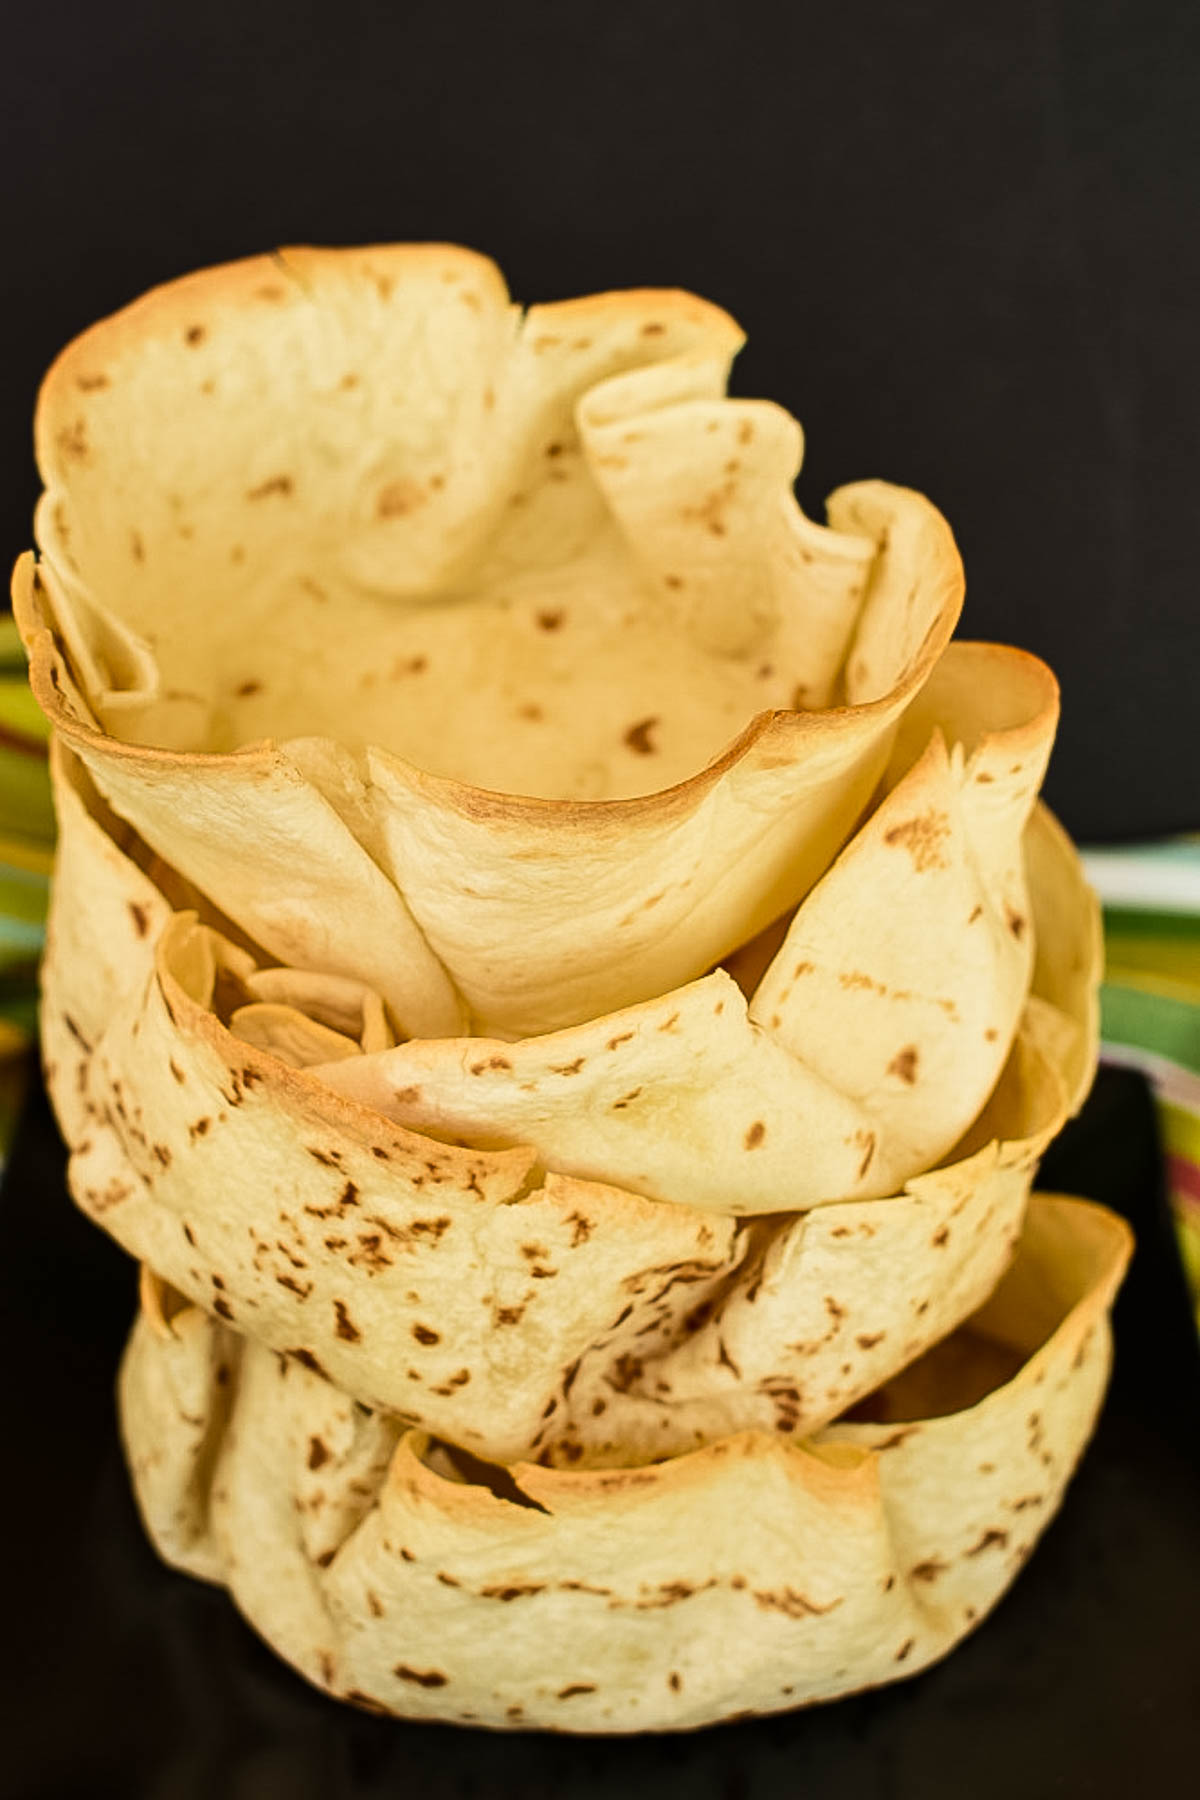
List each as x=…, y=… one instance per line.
x=752, y=1576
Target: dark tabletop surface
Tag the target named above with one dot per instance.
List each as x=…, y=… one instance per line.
x=120, y=1678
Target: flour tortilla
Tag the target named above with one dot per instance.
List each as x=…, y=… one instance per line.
x=504, y=662
x=868, y=1046
x=750, y=1577
x=396, y=1262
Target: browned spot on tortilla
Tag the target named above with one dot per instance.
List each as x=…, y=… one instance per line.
x=330, y=1158
x=198, y=1128
x=940, y=1237
x=983, y=776
x=755, y=1135
x=91, y=384
x=397, y=499
x=904, y=1649
x=624, y=1372
x=745, y=432
x=1015, y=922
x=509, y=1315
x=976, y=913
x=274, y=484
x=653, y=328
x=244, y=689
x=190, y=1235
x=137, y=548
x=867, y=1340
x=726, y=1361
x=673, y=581
x=993, y=1536
x=374, y=1604
x=571, y=1068
x=550, y=620
x=928, y=1570
x=223, y=1309
x=670, y=1024
x=518, y=1590
x=576, y=1687
x=308, y=1360
x=904, y=1064
x=922, y=837
x=426, y=1678
x=318, y=1452
x=622, y=1037
x=837, y=1313
x=493, y=1062
x=792, y=1603
x=991, y=1034
x=425, y=1334
x=625, y=1100
x=302, y=1289
x=867, y=1140
x=639, y=737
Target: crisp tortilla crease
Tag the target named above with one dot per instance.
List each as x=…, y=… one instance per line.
x=752, y=1576
x=558, y=610
x=398, y=1263
x=869, y=1044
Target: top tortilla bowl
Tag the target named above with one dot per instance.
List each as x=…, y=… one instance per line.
x=518, y=673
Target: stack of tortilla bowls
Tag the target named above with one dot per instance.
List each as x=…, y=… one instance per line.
x=559, y=973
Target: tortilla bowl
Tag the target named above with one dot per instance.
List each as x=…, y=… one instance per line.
x=753, y=1576
x=489, y=650
x=519, y=1311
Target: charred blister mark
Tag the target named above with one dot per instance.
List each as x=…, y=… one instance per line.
x=929, y=1570
x=576, y=1687
x=308, y=1361
x=301, y=1289
x=425, y=1334
x=906, y=1647
x=792, y=1603
x=281, y=485
x=995, y=1537
x=941, y=1237
x=640, y=736
x=923, y=837
x=755, y=1135
x=867, y=1340
x=426, y=1678
x=904, y=1064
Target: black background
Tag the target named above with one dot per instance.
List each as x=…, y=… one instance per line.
x=962, y=236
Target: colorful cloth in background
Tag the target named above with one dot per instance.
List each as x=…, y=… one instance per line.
x=1150, y=1003
x=26, y=853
